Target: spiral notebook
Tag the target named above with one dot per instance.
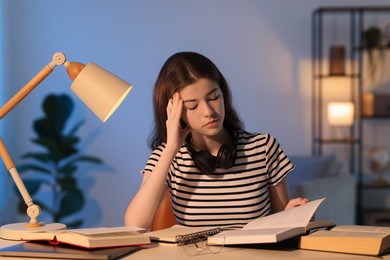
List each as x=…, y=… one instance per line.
x=194, y=237
x=182, y=234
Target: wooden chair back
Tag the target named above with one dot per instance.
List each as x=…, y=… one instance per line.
x=164, y=217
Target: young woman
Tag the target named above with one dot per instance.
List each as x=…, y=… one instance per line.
x=217, y=173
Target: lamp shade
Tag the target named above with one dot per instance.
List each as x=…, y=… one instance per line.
x=337, y=61
x=100, y=90
x=340, y=113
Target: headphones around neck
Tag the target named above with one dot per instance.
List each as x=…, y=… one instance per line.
x=207, y=164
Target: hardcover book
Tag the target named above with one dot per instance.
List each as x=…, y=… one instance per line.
x=91, y=237
x=354, y=239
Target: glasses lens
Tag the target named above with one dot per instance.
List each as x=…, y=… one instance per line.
x=215, y=249
x=193, y=249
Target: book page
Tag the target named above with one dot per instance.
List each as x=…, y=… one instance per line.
x=255, y=236
x=101, y=230
x=49, y=235
x=359, y=228
x=348, y=234
x=295, y=217
x=67, y=236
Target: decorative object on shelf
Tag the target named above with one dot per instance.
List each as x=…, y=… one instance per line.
x=373, y=43
x=100, y=90
x=56, y=167
x=376, y=104
x=379, y=164
x=340, y=113
x=337, y=61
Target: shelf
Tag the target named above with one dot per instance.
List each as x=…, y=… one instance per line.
x=337, y=141
x=337, y=76
x=350, y=9
x=355, y=56
x=374, y=186
x=362, y=48
x=376, y=117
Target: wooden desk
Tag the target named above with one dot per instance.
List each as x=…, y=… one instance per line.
x=171, y=252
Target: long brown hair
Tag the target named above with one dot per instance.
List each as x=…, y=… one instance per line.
x=179, y=71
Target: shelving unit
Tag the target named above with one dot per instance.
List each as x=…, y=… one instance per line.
x=332, y=26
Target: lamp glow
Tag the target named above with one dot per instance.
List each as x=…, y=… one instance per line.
x=100, y=90
x=340, y=113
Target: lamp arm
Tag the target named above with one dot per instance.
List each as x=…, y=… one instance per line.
x=33, y=210
x=58, y=59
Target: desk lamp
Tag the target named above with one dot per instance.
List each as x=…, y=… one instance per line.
x=100, y=90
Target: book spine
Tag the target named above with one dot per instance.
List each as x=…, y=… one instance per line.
x=197, y=236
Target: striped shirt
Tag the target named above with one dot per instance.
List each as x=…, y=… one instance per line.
x=232, y=196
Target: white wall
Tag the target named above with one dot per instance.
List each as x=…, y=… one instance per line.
x=262, y=47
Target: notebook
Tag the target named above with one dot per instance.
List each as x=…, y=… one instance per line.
x=43, y=250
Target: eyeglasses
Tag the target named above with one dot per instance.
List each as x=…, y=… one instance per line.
x=199, y=244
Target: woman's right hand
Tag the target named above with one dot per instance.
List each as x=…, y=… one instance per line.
x=296, y=202
x=175, y=133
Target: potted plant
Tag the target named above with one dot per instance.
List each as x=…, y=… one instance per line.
x=56, y=166
x=373, y=43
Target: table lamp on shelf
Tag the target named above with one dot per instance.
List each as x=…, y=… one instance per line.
x=100, y=90
x=340, y=113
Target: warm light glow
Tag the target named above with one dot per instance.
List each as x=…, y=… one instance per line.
x=340, y=113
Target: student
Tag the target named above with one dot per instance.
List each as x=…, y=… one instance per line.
x=218, y=174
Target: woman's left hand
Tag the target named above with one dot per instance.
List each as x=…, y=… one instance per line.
x=296, y=202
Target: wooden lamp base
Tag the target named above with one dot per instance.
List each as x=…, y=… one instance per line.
x=15, y=231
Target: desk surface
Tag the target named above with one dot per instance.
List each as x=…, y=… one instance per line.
x=171, y=251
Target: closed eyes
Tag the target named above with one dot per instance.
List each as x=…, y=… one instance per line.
x=192, y=105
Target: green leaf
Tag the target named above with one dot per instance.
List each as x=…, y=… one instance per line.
x=71, y=203
x=87, y=158
x=68, y=169
x=41, y=128
x=68, y=184
x=32, y=185
x=59, y=150
x=42, y=157
x=58, y=108
x=32, y=167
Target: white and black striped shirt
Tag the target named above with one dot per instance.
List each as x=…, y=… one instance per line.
x=226, y=197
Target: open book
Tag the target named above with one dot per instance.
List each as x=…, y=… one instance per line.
x=355, y=239
x=274, y=228
x=92, y=237
x=269, y=229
